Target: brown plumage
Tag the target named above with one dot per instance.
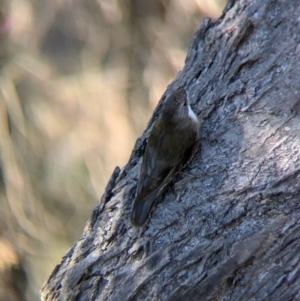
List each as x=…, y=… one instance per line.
x=172, y=143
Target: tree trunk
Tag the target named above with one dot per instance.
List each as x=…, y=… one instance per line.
x=227, y=227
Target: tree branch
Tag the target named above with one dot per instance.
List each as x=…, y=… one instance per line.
x=227, y=228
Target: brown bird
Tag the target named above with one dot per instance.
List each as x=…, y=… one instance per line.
x=172, y=143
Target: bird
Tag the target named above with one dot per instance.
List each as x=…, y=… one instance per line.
x=172, y=143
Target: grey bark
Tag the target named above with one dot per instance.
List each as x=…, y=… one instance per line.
x=227, y=228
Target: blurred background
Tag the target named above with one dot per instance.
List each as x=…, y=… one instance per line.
x=79, y=80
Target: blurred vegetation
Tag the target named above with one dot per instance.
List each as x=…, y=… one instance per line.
x=78, y=83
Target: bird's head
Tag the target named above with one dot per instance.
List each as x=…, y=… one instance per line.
x=177, y=106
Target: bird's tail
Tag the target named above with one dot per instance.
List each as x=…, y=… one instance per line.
x=141, y=209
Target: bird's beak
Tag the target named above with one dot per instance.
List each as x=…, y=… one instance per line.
x=187, y=100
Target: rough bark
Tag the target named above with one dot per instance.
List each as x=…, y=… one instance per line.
x=227, y=228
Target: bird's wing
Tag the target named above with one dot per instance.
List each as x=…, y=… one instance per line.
x=155, y=173
x=189, y=153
